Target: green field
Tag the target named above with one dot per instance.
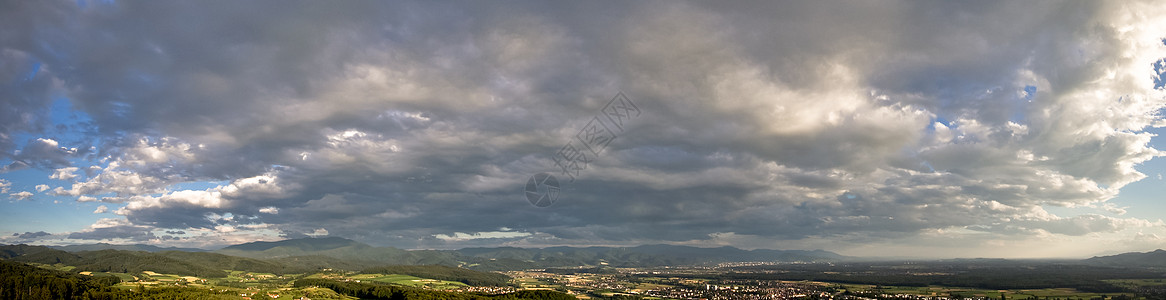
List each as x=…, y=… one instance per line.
x=535, y=283
x=1138, y=282
x=122, y=276
x=407, y=280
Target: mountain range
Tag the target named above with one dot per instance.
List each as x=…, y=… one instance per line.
x=1152, y=259
x=516, y=258
x=336, y=252
x=310, y=254
x=341, y=253
x=134, y=247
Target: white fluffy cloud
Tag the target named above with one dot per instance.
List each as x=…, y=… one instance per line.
x=21, y=195
x=66, y=173
x=116, y=180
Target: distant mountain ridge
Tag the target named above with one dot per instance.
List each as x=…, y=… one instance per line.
x=336, y=248
x=306, y=244
x=350, y=250
x=134, y=247
x=341, y=253
x=500, y=258
x=650, y=255
x=1156, y=258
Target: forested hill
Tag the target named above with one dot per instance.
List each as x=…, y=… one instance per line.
x=20, y=281
x=119, y=261
x=211, y=265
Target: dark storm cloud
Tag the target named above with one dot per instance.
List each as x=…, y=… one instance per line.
x=45, y=153
x=25, y=87
x=408, y=123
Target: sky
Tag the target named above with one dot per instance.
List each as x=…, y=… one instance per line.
x=926, y=129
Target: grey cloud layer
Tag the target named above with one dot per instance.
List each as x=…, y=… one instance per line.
x=398, y=122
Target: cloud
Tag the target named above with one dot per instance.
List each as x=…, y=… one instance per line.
x=422, y=121
x=101, y=209
x=65, y=173
x=119, y=181
x=45, y=153
x=29, y=84
x=459, y=236
x=31, y=235
x=1072, y=226
x=114, y=229
x=5, y=186
x=20, y=195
